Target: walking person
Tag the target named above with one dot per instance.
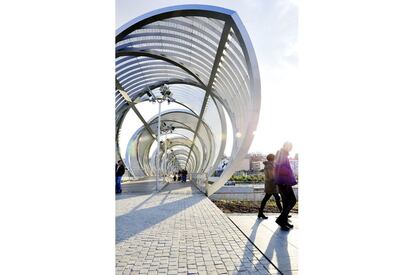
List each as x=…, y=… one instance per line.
x=271, y=189
x=180, y=174
x=119, y=171
x=184, y=176
x=285, y=179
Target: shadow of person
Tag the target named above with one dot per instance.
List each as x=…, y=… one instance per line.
x=278, y=248
x=246, y=264
x=254, y=228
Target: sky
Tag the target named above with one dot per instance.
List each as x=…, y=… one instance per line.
x=273, y=29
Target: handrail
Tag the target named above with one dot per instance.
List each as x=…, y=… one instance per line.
x=200, y=180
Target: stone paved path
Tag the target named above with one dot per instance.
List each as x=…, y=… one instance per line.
x=180, y=231
x=281, y=247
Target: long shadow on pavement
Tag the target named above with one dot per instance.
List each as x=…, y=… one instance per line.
x=138, y=189
x=246, y=264
x=140, y=219
x=278, y=246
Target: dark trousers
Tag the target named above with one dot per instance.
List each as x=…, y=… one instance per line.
x=266, y=198
x=289, y=200
x=118, y=188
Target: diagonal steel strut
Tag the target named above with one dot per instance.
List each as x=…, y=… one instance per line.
x=219, y=55
x=132, y=106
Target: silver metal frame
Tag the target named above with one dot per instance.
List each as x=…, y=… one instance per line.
x=191, y=48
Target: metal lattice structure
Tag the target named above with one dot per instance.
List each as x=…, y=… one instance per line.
x=204, y=54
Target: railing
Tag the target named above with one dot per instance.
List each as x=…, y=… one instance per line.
x=252, y=194
x=132, y=179
x=244, y=193
x=129, y=182
x=200, y=180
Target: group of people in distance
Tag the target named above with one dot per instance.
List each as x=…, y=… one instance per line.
x=279, y=179
x=181, y=175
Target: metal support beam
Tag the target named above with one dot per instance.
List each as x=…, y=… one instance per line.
x=137, y=53
x=170, y=12
x=132, y=106
x=219, y=55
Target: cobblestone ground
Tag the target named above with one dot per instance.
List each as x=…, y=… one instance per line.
x=180, y=231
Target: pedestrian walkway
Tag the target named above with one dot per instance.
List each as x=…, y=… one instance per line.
x=281, y=247
x=180, y=231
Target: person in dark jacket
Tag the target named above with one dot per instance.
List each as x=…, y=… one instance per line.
x=119, y=171
x=270, y=187
x=285, y=179
x=179, y=175
x=184, y=176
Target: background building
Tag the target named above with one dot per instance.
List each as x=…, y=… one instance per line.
x=256, y=165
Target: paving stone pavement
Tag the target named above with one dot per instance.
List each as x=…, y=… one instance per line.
x=180, y=231
x=281, y=247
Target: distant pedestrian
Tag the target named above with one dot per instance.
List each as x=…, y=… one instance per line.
x=285, y=179
x=271, y=189
x=184, y=176
x=175, y=177
x=119, y=171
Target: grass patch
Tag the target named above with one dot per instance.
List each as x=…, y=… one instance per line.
x=234, y=206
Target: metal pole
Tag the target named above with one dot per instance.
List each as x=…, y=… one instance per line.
x=165, y=157
x=158, y=146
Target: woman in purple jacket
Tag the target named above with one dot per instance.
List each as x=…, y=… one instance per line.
x=285, y=179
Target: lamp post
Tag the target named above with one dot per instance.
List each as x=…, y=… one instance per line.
x=166, y=95
x=166, y=129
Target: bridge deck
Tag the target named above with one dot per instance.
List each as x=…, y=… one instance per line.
x=180, y=231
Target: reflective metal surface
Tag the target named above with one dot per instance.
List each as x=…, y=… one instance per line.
x=203, y=53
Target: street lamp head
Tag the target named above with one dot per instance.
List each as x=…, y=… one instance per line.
x=165, y=91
